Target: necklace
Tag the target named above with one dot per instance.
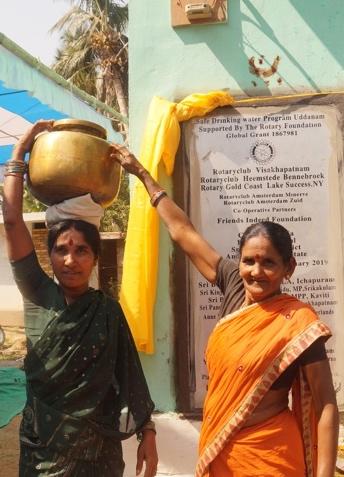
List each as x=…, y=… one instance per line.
x=247, y=303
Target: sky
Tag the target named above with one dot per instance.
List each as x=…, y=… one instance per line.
x=27, y=23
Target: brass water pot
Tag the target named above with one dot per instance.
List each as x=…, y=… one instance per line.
x=71, y=160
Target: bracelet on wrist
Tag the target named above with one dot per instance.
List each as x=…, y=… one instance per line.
x=149, y=426
x=14, y=174
x=157, y=196
x=14, y=166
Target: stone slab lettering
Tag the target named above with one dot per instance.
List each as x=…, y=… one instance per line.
x=279, y=164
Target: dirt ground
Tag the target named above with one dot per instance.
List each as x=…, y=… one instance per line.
x=9, y=449
x=9, y=435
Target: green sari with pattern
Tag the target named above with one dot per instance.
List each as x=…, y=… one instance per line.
x=86, y=390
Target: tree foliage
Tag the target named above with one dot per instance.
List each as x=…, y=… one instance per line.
x=30, y=203
x=94, y=57
x=94, y=51
x=116, y=216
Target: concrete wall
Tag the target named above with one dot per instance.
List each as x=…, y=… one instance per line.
x=11, y=309
x=172, y=63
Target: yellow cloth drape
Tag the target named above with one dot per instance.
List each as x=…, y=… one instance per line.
x=140, y=264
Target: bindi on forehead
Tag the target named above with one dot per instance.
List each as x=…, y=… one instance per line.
x=255, y=256
x=71, y=242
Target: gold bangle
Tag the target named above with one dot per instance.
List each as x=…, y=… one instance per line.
x=14, y=174
x=15, y=166
x=159, y=194
x=16, y=162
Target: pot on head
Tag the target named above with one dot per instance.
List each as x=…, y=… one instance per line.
x=72, y=160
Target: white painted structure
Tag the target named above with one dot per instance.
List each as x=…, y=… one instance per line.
x=11, y=304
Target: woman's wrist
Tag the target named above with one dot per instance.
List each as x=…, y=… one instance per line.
x=143, y=174
x=157, y=196
x=15, y=167
x=148, y=436
x=148, y=428
x=19, y=152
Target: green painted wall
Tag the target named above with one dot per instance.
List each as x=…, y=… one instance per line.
x=172, y=63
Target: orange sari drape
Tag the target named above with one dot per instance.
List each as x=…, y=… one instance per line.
x=247, y=351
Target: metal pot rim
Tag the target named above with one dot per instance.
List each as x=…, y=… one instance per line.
x=80, y=124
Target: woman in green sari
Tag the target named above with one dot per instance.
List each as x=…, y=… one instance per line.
x=85, y=387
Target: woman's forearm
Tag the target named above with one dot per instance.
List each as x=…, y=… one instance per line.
x=171, y=214
x=179, y=226
x=151, y=185
x=327, y=440
x=18, y=238
x=13, y=191
x=13, y=183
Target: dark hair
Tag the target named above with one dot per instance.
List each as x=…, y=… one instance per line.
x=276, y=233
x=89, y=231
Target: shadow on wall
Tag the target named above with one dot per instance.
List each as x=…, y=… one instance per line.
x=266, y=29
x=314, y=13
x=235, y=60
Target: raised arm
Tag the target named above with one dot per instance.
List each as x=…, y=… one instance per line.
x=18, y=238
x=320, y=381
x=179, y=226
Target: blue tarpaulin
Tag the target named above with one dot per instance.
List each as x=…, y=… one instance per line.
x=30, y=91
x=12, y=393
x=18, y=109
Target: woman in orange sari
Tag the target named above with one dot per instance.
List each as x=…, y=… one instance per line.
x=265, y=344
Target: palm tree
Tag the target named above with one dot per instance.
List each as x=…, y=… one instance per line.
x=94, y=52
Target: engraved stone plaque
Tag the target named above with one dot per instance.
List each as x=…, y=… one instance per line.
x=279, y=164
